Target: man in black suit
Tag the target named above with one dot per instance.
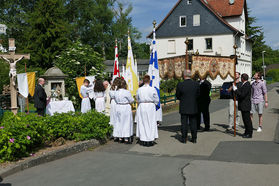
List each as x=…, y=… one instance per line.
x=244, y=104
x=40, y=97
x=203, y=104
x=188, y=92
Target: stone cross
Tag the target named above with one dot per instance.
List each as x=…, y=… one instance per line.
x=12, y=58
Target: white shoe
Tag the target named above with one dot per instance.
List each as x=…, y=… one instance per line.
x=259, y=129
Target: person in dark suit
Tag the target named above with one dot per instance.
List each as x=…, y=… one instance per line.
x=203, y=104
x=188, y=92
x=40, y=97
x=244, y=104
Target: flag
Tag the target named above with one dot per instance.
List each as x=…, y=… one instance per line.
x=153, y=72
x=123, y=72
x=136, y=69
x=26, y=83
x=116, y=64
x=131, y=76
x=79, y=82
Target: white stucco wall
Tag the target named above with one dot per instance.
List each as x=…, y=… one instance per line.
x=221, y=44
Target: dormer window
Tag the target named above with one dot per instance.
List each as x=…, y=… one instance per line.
x=189, y=2
x=183, y=21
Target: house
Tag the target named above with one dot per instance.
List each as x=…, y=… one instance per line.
x=212, y=27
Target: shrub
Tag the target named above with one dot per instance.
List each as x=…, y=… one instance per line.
x=274, y=73
x=24, y=134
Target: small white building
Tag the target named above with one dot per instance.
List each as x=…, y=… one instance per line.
x=212, y=27
x=3, y=29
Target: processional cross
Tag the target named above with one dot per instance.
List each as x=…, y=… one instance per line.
x=12, y=58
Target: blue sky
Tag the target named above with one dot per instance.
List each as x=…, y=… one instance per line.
x=266, y=11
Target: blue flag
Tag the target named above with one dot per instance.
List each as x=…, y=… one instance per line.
x=153, y=70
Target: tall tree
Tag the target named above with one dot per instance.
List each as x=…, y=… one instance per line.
x=257, y=36
x=47, y=34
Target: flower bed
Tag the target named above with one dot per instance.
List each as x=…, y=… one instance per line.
x=23, y=135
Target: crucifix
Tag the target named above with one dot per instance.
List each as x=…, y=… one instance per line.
x=12, y=58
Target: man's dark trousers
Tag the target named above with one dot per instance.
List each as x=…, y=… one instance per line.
x=41, y=112
x=247, y=122
x=188, y=121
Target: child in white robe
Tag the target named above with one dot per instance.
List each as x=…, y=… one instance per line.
x=123, y=128
x=99, y=96
x=147, y=98
x=84, y=91
x=114, y=87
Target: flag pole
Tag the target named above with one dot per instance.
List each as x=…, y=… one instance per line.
x=234, y=97
x=27, y=100
x=186, y=57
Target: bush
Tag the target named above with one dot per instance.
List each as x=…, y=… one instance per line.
x=24, y=134
x=169, y=86
x=274, y=73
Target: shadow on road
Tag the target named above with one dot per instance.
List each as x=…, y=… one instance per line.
x=4, y=184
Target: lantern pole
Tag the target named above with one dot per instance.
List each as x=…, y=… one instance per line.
x=234, y=97
x=186, y=57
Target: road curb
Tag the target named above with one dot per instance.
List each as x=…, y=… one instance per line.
x=276, y=137
x=51, y=156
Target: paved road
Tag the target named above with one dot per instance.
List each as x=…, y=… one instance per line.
x=170, y=162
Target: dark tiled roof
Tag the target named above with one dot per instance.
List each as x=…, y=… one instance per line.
x=215, y=6
x=142, y=65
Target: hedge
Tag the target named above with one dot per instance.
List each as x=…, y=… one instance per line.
x=24, y=134
x=274, y=73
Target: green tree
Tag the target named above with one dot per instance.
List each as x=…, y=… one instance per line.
x=47, y=34
x=72, y=62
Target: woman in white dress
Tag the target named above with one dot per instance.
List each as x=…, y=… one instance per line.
x=147, y=98
x=99, y=96
x=114, y=87
x=123, y=128
x=84, y=91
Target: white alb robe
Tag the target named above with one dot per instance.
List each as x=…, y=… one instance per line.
x=99, y=98
x=147, y=129
x=85, y=103
x=123, y=127
x=107, y=104
x=112, y=108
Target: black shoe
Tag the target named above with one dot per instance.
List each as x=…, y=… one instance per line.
x=206, y=129
x=116, y=140
x=121, y=140
x=194, y=140
x=132, y=139
x=184, y=140
x=247, y=136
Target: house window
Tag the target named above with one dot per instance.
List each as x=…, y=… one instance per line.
x=191, y=44
x=208, y=43
x=196, y=20
x=183, y=21
x=171, y=47
x=189, y=2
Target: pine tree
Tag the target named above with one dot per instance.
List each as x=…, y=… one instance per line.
x=48, y=32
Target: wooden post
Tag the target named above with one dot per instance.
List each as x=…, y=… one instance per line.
x=186, y=57
x=12, y=58
x=27, y=100
x=234, y=98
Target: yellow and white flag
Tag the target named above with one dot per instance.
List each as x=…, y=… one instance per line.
x=131, y=76
x=26, y=83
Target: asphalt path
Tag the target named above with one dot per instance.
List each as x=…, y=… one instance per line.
x=115, y=164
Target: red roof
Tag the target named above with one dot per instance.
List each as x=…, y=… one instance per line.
x=225, y=9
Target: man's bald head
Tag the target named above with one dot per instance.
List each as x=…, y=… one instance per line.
x=41, y=81
x=187, y=74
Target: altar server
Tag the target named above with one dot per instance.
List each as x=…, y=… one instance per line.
x=107, y=97
x=147, y=98
x=115, y=85
x=99, y=96
x=84, y=91
x=123, y=128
